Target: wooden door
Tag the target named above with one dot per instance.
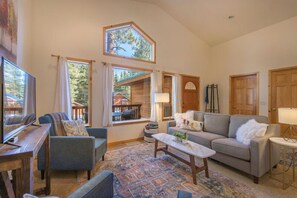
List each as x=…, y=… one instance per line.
x=244, y=94
x=283, y=91
x=190, y=93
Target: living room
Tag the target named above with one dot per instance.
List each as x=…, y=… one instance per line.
x=213, y=41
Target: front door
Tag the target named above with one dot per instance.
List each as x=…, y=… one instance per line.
x=283, y=92
x=244, y=94
x=190, y=93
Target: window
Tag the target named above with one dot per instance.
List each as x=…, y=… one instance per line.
x=167, y=88
x=127, y=40
x=131, y=95
x=80, y=87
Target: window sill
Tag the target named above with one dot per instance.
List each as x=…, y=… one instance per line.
x=168, y=119
x=127, y=122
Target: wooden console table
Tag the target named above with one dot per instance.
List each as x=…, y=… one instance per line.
x=20, y=160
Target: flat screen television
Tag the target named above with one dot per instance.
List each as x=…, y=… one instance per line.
x=18, y=100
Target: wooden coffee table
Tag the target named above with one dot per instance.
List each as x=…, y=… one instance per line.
x=191, y=148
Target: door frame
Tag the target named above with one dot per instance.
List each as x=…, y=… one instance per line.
x=270, y=87
x=230, y=89
x=182, y=94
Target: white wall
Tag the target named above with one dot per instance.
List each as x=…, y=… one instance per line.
x=272, y=47
x=74, y=28
x=24, y=34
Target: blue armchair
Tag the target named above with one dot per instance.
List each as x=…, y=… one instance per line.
x=72, y=152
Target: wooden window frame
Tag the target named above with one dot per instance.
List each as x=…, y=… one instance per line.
x=138, y=30
x=135, y=121
x=163, y=75
x=90, y=63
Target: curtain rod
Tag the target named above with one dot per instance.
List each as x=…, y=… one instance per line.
x=74, y=59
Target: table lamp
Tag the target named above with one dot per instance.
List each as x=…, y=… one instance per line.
x=288, y=116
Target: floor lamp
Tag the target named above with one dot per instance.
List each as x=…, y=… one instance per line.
x=159, y=99
x=288, y=116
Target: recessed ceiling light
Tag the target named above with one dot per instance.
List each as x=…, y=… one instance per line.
x=231, y=17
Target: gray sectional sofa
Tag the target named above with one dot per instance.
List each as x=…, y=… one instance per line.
x=219, y=134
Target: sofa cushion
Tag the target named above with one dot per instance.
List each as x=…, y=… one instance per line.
x=203, y=138
x=230, y=146
x=237, y=120
x=216, y=123
x=199, y=116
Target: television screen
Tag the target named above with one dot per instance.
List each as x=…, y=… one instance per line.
x=18, y=100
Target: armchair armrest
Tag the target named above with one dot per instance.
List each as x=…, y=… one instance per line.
x=100, y=186
x=260, y=153
x=171, y=124
x=69, y=153
x=98, y=132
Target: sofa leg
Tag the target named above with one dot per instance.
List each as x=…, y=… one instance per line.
x=42, y=174
x=89, y=174
x=102, y=157
x=256, y=179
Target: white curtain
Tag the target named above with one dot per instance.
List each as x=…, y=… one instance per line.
x=155, y=88
x=107, y=95
x=176, y=94
x=63, y=95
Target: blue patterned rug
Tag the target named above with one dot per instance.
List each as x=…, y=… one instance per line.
x=139, y=174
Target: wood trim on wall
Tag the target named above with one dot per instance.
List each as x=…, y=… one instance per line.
x=111, y=144
x=140, y=31
x=258, y=89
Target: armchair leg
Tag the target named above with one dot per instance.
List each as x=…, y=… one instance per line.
x=102, y=157
x=256, y=179
x=42, y=174
x=89, y=174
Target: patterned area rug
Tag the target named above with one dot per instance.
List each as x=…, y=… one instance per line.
x=139, y=174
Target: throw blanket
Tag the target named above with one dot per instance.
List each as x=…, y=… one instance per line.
x=57, y=122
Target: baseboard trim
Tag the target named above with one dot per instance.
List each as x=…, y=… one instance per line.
x=124, y=141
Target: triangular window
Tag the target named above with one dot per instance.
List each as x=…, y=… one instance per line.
x=127, y=40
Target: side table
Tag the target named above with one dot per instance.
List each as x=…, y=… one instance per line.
x=285, y=156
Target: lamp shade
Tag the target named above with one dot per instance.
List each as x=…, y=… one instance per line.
x=287, y=116
x=161, y=97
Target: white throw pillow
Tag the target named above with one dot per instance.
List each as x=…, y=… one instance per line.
x=181, y=117
x=192, y=125
x=189, y=115
x=250, y=130
x=178, y=117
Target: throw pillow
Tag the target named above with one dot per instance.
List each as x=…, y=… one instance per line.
x=181, y=117
x=192, y=125
x=178, y=117
x=250, y=130
x=75, y=127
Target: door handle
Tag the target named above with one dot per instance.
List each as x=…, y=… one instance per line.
x=274, y=109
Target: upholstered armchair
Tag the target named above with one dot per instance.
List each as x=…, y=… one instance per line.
x=72, y=152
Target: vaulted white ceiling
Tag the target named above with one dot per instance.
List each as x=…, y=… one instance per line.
x=208, y=19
